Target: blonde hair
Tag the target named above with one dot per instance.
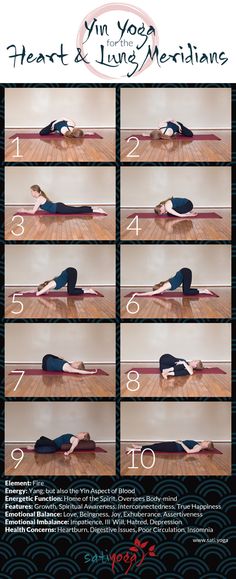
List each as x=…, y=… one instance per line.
x=157, y=134
x=199, y=365
x=86, y=436
x=76, y=132
x=210, y=445
x=158, y=285
x=80, y=365
x=39, y=190
x=43, y=284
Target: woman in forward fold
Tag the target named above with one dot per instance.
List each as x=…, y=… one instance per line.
x=65, y=127
x=182, y=277
x=176, y=206
x=170, y=129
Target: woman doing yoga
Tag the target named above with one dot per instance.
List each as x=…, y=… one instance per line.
x=65, y=127
x=171, y=366
x=188, y=446
x=177, y=206
x=67, y=277
x=72, y=439
x=43, y=202
x=182, y=277
x=51, y=363
x=168, y=129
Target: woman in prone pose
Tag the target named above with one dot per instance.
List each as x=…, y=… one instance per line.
x=171, y=366
x=177, y=206
x=65, y=127
x=68, y=277
x=43, y=202
x=68, y=438
x=168, y=129
x=51, y=363
x=182, y=277
x=188, y=446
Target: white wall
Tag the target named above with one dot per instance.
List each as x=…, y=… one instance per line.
x=205, y=186
x=87, y=342
x=27, y=421
x=147, y=342
x=32, y=264
x=196, y=108
x=149, y=264
x=156, y=421
x=79, y=185
x=36, y=107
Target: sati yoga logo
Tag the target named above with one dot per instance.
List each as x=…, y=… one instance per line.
x=128, y=560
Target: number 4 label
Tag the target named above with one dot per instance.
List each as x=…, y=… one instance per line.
x=136, y=227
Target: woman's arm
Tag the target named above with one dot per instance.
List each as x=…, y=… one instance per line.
x=50, y=285
x=193, y=450
x=35, y=208
x=68, y=368
x=159, y=290
x=73, y=446
x=188, y=368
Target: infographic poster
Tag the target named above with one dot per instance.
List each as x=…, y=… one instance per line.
x=117, y=179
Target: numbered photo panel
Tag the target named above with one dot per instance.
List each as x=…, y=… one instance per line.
x=176, y=203
x=176, y=125
x=59, y=125
x=176, y=281
x=59, y=203
x=60, y=438
x=60, y=281
x=176, y=360
x=60, y=360
x=175, y=438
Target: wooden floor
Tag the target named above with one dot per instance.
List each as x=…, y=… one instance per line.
x=84, y=464
x=186, y=307
x=45, y=308
x=60, y=227
x=198, y=385
x=69, y=386
x=179, y=464
x=178, y=229
x=176, y=150
x=61, y=150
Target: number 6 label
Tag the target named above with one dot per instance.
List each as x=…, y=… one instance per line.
x=134, y=310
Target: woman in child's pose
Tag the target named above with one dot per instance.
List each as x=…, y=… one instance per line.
x=168, y=129
x=65, y=127
x=176, y=206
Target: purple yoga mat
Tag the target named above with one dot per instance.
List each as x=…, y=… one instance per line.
x=205, y=451
x=173, y=294
x=52, y=136
x=58, y=294
x=215, y=370
x=209, y=215
x=46, y=213
x=196, y=137
x=96, y=449
x=39, y=372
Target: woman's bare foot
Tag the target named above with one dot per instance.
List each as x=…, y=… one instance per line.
x=90, y=291
x=30, y=447
x=205, y=291
x=99, y=210
x=164, y=374
x=133, y=447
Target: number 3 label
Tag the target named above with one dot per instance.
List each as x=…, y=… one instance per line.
x=18, y=225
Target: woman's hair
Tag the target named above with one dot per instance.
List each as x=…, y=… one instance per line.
x=199, y=365
x=157, y=209
x=76, y=132
x=210, y=445
x=86, y=436
x=158, y=285
x=39, y=190
x=157, y=134
x=80, y=365
x=42, y=285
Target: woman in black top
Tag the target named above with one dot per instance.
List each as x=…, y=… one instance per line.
x=188, y=446
x=171, y=366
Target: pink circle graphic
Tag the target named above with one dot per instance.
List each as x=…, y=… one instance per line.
x=109, y=8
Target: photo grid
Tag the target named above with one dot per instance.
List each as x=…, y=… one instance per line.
x=118, y=281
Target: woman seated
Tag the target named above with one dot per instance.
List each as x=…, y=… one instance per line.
x=171, y=366
x=169, y=129
x=51, y=363
x=65, y=127
x=43, y=202
x=188, y=446
x=72, y=439
x=177, y=206
x=182, y=277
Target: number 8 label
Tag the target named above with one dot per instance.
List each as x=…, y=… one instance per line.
x=134, y=380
